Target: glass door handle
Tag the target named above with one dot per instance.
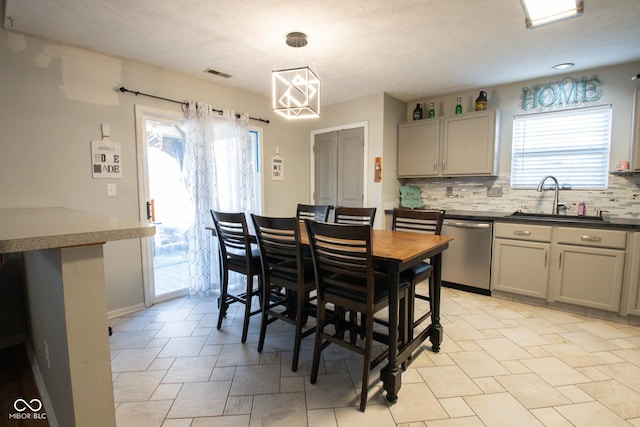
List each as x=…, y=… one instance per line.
x=151, y=211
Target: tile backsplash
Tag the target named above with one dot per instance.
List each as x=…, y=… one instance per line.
x=494, y=194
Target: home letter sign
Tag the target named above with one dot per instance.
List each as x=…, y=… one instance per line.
x=565, y=92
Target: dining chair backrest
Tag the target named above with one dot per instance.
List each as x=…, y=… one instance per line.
x=354, y=216
x=233, y=236
x=314, y=212
x=418, y=221
x=343, y=260
x=280, y=249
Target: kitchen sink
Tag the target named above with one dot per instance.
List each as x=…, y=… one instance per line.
x=558, y=218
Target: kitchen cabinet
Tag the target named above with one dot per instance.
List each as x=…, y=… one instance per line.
x=590, y=267
x=633, y=260
x=634, y=155
x=418, y=148
x=521, y=255
x=461, y=145
x=470, y=144
x=580, y=266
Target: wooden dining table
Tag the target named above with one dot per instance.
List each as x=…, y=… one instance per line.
x=396, y=251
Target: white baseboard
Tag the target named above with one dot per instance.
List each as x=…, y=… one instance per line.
x=125, y=310
x=44, y=395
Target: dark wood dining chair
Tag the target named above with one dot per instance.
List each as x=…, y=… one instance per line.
x=314, y=212
x=237, y=254
x=287, y=277
x=343, y=265
x=354, y=216
x=418, y=221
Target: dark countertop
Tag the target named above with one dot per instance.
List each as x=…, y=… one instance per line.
x=629, y=224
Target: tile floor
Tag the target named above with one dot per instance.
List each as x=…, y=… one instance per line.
x=502, y=363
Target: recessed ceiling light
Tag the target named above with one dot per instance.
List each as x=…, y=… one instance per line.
x=563, y=66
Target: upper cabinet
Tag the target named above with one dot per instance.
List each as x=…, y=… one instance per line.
x=419, y=148
x=460, y=145
x=470, y=144
x=634, y=155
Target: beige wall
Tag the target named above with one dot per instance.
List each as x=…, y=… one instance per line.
x=380, y=113
x=52, y=103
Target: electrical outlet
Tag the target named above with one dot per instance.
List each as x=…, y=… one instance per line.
x=111, y=190
x=449, y=191
x=494, y=191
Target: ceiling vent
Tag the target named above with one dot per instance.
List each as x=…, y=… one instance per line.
x=217, y=73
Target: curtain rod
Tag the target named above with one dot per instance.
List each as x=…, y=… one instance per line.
x=124, y=89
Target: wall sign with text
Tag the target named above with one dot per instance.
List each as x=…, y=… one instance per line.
x=568, y=92
x=277, y=168
x=105, y=159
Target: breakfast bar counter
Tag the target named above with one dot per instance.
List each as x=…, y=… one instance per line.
x=67, y=304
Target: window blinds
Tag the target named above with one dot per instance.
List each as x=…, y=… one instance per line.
x=572, y=145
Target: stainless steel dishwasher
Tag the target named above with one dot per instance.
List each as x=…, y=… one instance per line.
x=466, y=264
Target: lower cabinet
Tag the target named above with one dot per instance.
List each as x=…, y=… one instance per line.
x=521, y=254
x=590, y=267
x=589, y=277
x=579, y=266
x=633, y=265
x=521, y=267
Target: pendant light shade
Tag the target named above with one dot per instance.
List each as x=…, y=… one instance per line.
x=296, y=93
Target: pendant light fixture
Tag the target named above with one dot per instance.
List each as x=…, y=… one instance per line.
x=296, y=91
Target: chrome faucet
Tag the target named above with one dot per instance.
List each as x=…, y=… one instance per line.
x=556, y=204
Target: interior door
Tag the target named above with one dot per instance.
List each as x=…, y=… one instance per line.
x=350, y=167
x=339, y=168
x=326, y=164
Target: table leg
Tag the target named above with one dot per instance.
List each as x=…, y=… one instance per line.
x=391, y=374
x=436, y=328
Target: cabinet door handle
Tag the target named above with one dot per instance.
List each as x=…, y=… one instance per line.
x=522, y=233
x=560, y=262
x=591, y=238
x=545, y=258
x=444, y=163
x=435, y=164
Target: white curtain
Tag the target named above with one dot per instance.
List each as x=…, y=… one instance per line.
x=218, y=175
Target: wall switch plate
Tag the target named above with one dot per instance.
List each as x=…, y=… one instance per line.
x=494, y=191
x=111, y=190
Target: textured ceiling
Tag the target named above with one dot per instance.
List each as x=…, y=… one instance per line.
x=409, y=49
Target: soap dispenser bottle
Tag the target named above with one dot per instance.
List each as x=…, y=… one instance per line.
x=581, y=209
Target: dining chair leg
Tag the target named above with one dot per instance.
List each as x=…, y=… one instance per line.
x=368, y=343
x=411, y=312
x=317, y=347
x=298, y=338
x=247, y=308
x=223, y=298
x=263, y=323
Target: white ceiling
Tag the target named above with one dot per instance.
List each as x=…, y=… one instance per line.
x=407, y=48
